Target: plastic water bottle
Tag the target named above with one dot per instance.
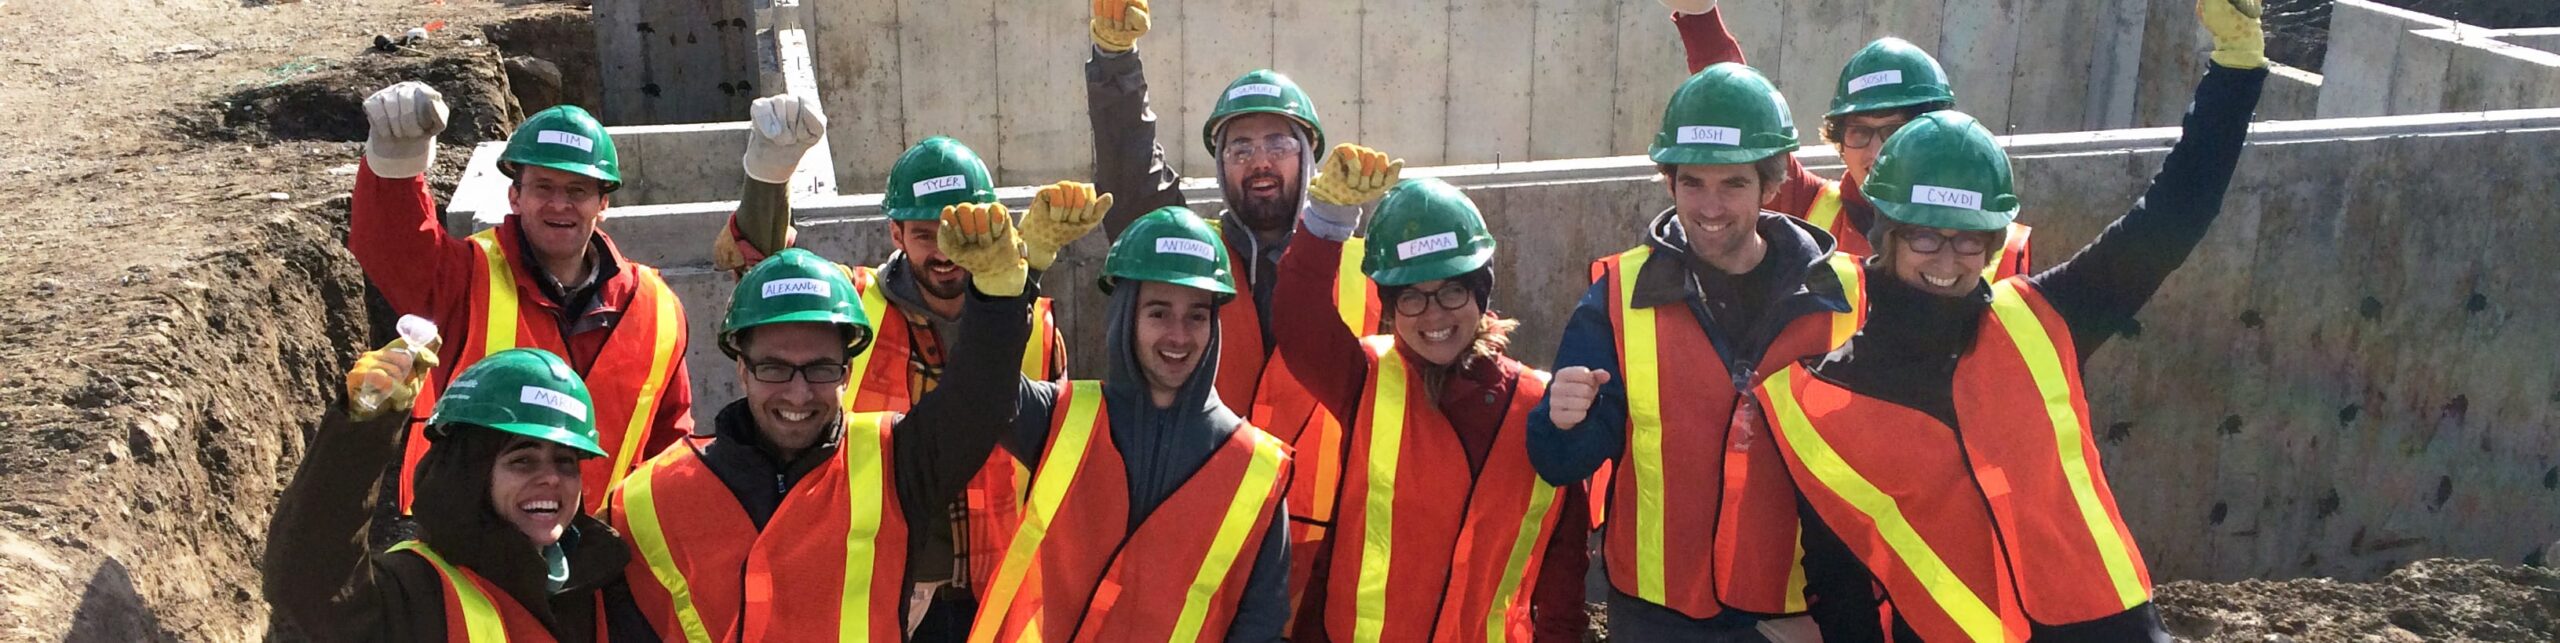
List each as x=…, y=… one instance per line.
x=418, y=334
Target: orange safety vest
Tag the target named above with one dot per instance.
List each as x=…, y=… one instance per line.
x=994, y=495
x=475, y=610
x=1704, y=516
x=1177, y=577
x=1314, y=434
x=627, y=381
x=1978, y=529
x=1443, y=553
x=1825, y=214
x=830, y=565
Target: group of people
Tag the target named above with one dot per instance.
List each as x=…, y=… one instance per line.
x=1796, y=409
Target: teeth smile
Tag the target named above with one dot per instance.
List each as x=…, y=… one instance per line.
x=1717, y=227
x=541, y=506
x=795, y=416
x=1173, y=356
x=1439, y=335
x=1939, y=282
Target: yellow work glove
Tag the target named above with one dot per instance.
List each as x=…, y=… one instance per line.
x=1117, y=24
x=1060, y=214
x=1353, y=175
x=979, y=237
x=386, y=380
x=2239, y=41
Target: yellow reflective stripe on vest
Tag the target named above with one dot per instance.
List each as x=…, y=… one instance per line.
x=479, y=616
x=1826, y=207
x=1377, y=534
x=1542, y=500
x=499, y=329
x=1947, y=591
x=662, y=350
x=649, y=536
x=875, y=305
x=1048, y=490
x=1350, y=288
x=1261, y=477
x=1035, y=355
x=2028, y=333
x=860, y=449
x=1853, y=287
x=1643, y=366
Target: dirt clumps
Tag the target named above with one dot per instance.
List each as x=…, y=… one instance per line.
x=2429, y=600
x=327, y=104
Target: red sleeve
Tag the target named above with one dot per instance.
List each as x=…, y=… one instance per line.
x=1556, y=603
x=1797, y=194
x=1306, y=329
x=1705, y=39
x=393, y=232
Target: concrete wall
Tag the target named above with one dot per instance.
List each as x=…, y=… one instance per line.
x=2385, y=60
x=676, y=61
x=2292, y=94
x=1450, y=81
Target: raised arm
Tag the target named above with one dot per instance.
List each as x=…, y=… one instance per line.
x=391, y=225
x=782, y=130
x=316, y=570
x=1128, y=163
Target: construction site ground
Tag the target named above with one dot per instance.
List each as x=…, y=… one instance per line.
x=176, y=304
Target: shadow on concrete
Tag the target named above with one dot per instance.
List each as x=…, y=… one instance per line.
x=110, y=610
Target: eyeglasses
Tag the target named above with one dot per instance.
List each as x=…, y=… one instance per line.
x=1925, y=242
x=1858, y=137
x=1410, y=303
x=819, y=373
x=1275, y=148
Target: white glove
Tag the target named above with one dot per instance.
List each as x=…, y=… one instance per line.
x=1691, y=7
x=785, y=127
x=1569, y=395
x=404, y=120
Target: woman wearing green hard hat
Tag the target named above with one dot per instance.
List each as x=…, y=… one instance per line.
x=1435, y=460
x=503, y=550
x=1947, y=443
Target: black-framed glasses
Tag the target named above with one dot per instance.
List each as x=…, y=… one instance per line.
x=1926, y=242
x=1858, y=137
x=818, y=373
x=1452, y=296
x=1276, y=148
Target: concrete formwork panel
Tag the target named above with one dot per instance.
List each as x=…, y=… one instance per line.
x=2292, y=94
x=676, y=61
x=1575, y=61
x=1040, y=53
x=2364, y=50
x=858, y=68
x=1404, y=79
x=2486, y=74
x=1820, y=37
x=1649, y=66
x=2175, y=49
x=1490, y=80
x=940, y=43
x=1980, y=52
x=1314, y=44
x=2050, y=83
x=1223, y=39
x=2421, y=72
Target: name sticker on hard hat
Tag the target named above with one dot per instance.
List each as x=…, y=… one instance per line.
x=1191, y=247
x=941, y=184
x=1256, y=89
x=1886, y=77
x=1950, y=197
x=1427, y=245
x=797, y=286
x=1710, y=135
x=554, y=400
x=556, y=137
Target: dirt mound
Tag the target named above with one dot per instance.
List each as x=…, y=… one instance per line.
x=2428, y=600
x=327, y=103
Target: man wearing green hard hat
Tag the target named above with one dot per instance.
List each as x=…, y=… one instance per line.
x=1962, y=399
x=547, y=277
x=1884, y=85
x=1701, y=528
x=1156, y=513
x=503, y=545
x=1438, y=472
x=916, y=299
x=1265, y=136
x=804, y=512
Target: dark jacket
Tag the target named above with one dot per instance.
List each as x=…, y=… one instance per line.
x=1162, y=447
x=319, y=575
x=1906, y=354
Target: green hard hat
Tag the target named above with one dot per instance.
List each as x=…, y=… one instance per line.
x=567, y=139
x=795, y=286
x=935, y=173
x=1890, y=73
x=1726, y=114
x=524, y=391
x=1170, y=245
x=1425, y=229
x=1263, y=91
x=1943, y=170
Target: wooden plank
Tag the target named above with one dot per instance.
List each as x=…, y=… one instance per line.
x=1821, y=36
x=1404, y=91
x=858, y=64
x=1040, y=51
x=1650, y=66
x=1489, y=81
x=1224, y=39
x=948, y=55
x=1979, y=49
x=1576, y=65
x=1320, y=52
